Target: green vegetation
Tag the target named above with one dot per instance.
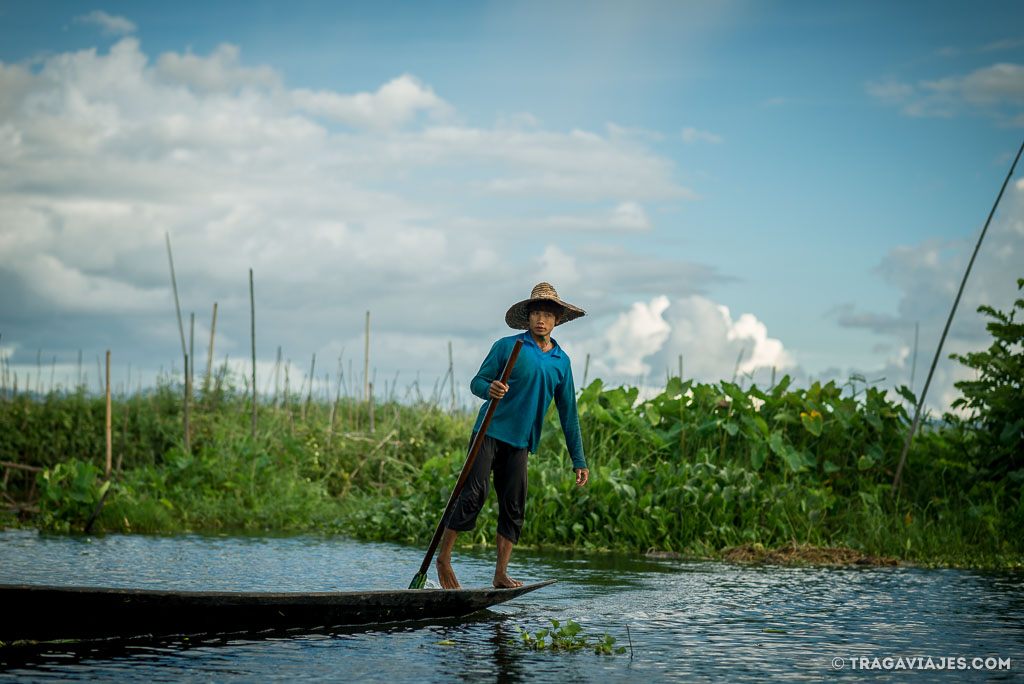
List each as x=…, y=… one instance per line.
x=696, y=469
x=567, y=637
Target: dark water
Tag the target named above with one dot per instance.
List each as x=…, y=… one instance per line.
x=689, y=621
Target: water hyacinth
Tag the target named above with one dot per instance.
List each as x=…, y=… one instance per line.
x=695, y=469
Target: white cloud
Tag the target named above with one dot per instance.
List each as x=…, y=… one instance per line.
x=105, y=152
x=997, y=89
x=395, y=103
x=620, y=349
x=692, y=135
x=220, y=72
x=995, y=83
x=646, y=339
x=112, y=25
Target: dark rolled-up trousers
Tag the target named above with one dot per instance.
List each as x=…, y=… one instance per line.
x=508, y=463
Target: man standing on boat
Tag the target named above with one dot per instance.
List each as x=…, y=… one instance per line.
x=542, y=373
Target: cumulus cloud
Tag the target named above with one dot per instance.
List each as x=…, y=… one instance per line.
x=395, y=103
x=219, y=72
x=111, y=25
x=646, y=340
x=105, y=152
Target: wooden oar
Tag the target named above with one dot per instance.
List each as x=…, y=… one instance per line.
x=421, y=577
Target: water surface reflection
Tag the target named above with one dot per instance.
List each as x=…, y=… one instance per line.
x=688, y=620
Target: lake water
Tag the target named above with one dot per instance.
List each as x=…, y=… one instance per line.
x=703, y=621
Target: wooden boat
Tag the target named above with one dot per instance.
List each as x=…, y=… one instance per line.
x=44, y=613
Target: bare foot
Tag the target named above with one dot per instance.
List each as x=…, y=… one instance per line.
x=503, y=581
x=446, y=575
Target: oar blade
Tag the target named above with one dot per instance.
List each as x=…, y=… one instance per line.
x=419, y=581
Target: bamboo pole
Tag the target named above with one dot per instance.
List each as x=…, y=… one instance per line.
x=312, y=370
x=110, y=446
x=949, y=321
x=209, y=359
x=370, y=395
x=451, y=373
x=252, y=318
x=174, y=286
x=366, y=371
x=586, y=369
x=680, y=366
x=191, y=355
x=188, y=440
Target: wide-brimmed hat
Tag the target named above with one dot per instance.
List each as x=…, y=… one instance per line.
x=518, y=315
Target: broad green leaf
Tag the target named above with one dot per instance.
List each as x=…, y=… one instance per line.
x=813, y=422
x=757, y=456
x=794, y=459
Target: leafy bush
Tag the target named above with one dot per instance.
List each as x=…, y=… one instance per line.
x=995, y=400
x=69, y=493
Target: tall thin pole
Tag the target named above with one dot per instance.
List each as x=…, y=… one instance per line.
x=370, y=395
x=586, y=369
x=191, y=354
x=366, y=370
x=209, y=359
x=312, y=370
x=110, y=445
x=187, y=409
x=174, y=286
x=949, y=321
x=252, y=318
x=451, y=374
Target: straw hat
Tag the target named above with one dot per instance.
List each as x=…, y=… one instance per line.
x=518, y=315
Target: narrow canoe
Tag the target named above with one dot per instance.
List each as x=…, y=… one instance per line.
x=43, y=613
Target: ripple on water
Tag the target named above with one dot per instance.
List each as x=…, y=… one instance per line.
x=687, y=620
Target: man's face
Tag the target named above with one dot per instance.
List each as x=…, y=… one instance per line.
x=542, y=322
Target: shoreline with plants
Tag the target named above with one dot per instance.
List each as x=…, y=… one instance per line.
x=697, y=470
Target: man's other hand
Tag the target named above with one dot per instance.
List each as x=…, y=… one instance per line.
x=581, y=476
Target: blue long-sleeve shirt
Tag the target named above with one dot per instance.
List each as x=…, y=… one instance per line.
x=536, y=379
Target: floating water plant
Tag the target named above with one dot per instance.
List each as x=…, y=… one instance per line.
x=567, y=637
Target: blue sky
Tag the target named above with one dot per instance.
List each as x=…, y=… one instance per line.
x=796, y=184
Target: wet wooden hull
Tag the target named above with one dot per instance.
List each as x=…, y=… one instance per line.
x=47, y=613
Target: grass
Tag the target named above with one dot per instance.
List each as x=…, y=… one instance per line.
x=696, y=470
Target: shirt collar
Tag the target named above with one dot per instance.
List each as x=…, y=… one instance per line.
x=528, y=339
